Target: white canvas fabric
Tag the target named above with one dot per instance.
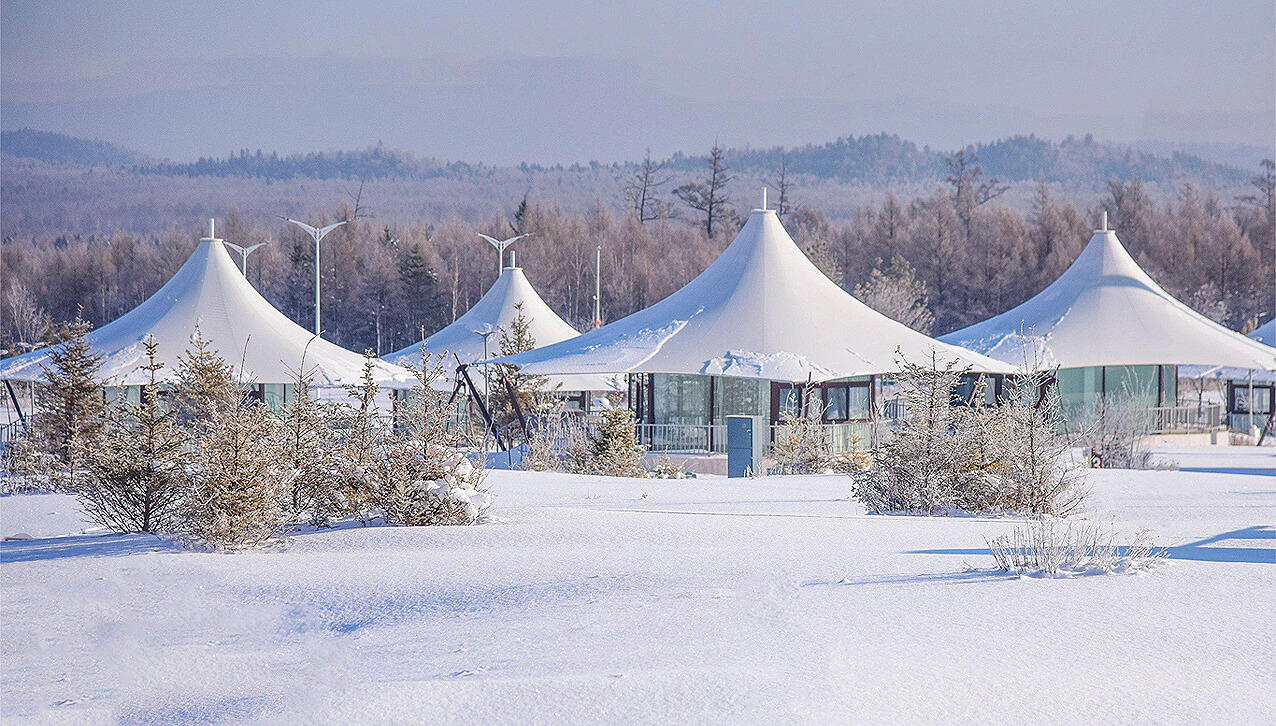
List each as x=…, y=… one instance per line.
x=1104, y=310
x=761, y=310
x=240, y=325
x=1226, y=373
x=496, y=310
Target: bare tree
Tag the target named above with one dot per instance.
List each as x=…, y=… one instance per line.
x=640, y=189
x=709, y=197
x=969, y=192
x=782, y=186
x=30, y=323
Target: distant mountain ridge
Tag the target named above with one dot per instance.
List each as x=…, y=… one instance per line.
x=62, y=149
x=876, y=159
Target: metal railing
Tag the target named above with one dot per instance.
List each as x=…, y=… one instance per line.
x=1185, y=419
x=712, y=438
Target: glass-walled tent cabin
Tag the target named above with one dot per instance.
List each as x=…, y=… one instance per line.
x=1108, y=329
x=476, y=336
x=209, y=296
x=744, y=338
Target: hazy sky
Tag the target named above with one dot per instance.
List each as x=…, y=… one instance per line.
x=565, y=81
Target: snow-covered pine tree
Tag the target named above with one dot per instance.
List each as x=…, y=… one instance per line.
x=309, y=448
x=238, y=482
x=70, y=408
x=203, y=380
x=135, y=471
x=362, y=431
x=534, y=394
x=801, y=446
x=613, y=448
x=424, y=471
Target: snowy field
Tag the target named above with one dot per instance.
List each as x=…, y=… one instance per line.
x=599, y=600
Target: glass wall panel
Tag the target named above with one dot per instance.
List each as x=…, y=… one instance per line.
x=1079, y=388
x=858, y=402
x=740, y=397
x=838, y=404
x=681, y=399
x=1169, y=385
x=1137, y=382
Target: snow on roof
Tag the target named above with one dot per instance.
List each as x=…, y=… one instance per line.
x=1266, y=334
x=1104, y=310
x=240, y=325
x=495, y=311
x=761, y=310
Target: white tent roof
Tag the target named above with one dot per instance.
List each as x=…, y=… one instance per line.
x=1104, y=310
x=495, y=311
x=761, y=310
x=1263, y=335
x=240, y=325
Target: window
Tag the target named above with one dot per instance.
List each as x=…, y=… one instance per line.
x=1241, y=399
x=681, y=399
x=846, y=401
x=740, y=397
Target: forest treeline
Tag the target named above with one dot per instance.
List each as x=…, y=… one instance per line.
x=958, y=251
x=877, y=159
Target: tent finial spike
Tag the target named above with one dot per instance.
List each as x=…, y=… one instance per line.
x=764, y=197
x=1105, y=220
x=212, y=225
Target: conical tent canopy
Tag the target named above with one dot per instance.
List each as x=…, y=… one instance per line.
x=495, y=311
x=761, y=310
x=239, y=324
x=1104, y=310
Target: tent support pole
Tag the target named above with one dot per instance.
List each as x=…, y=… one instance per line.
x=474, y=394
x=17, y=406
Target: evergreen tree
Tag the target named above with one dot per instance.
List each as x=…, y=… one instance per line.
x=613, y=449
x=422, y=293
x=70, y=406
x=204, y=381
x=136, y=468
x=308, y=448
x=533, y=393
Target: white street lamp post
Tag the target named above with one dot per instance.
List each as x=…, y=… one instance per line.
x=243, y=254
x=500, y=245
x=317, y=234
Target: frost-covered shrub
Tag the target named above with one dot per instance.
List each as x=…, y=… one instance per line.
x=454, y=497
x=973, y=457
x=1048, y=548
x=135, y=478
x=420, y=472
x=1116, y=428
x=921, y=467
x=667, y=469
x=1039, y=476
x=556, y=442
x=801, y=445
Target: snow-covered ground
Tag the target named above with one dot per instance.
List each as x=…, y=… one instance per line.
x=633, y=601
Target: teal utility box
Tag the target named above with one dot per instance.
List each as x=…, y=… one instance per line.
x=748, y=438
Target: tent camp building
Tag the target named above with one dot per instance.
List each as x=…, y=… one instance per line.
x=1109, y=328
x=209, y=295
x=755, y=333
x=475, y=336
